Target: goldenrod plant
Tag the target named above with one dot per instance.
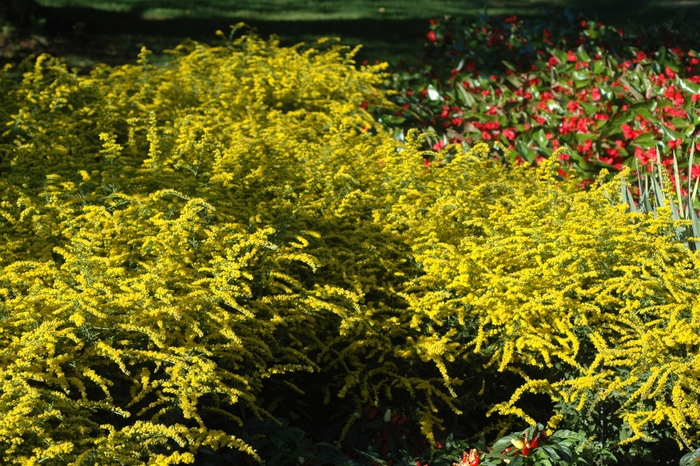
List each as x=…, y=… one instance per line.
x=232, y=232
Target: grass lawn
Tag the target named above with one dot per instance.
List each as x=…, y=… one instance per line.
x=87, y=32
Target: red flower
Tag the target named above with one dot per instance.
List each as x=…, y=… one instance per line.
x=613, y=152
x=433, y=22
x=363, y=105
x=629, y=132
x=571, y=56
x=371, y=411
x=431, y=36
x=586, y=146
x=674, y=143
x=669, y=72
x=640, y=56
x=584, y=23
x=509, y=134
x=469, y=459
x=595, y=94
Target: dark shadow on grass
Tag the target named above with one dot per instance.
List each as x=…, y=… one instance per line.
x=84, y=30
x=114, y=37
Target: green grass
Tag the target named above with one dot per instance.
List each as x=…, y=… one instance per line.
x=90, y=31
x=303, y=10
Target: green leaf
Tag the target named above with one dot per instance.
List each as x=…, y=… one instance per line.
x=540, y=138
x=517, y=461
x=644, y=138
x=671, y=134
x=680, y=124
x=632, y=90
x=517, y=83
x=433, y=94
x=599, y=67
x=396, y=120
x=524, y=151
x=606, y=92
x=689, y=86
x=646, y=113
x=581, y=52
x=580, y=76
x=560, y=54
x=661, y=54
x=551, y=452
x=565, y=452
x=465, y=95
x=503, y=443
x=582, y=83
x=627, y=197
x=589, y=108
x=690, y=458
x=508, y=65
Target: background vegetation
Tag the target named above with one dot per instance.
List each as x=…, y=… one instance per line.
x=87, y=32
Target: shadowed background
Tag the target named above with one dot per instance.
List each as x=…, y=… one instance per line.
x=87, y=32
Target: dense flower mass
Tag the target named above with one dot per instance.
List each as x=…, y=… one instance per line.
x=613, y=98
x=207, y=257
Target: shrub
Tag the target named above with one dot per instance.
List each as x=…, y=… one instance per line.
x=161, y=230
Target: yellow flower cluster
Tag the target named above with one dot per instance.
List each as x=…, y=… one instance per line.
x=177, y=238
x=156, y=225
x=540, y=277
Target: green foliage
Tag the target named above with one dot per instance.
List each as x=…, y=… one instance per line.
x=611, y=96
